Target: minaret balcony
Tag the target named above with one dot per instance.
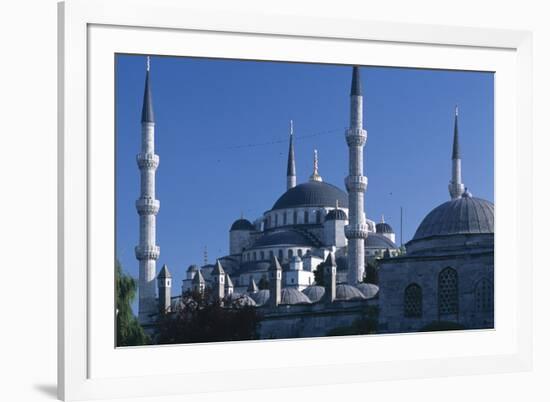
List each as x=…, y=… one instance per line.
x=357, y=231
x=147, y=206
x=356, y=137
x=147, y=252
x=356, y=184
x=147, y=160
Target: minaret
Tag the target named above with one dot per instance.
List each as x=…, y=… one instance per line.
x=315, y=176
x=218, y=277
x=275, y=277
x=330, y=278
x=147, y=252
x=356, y=184
x=456, y=187
x=164, y=280
x=291, y=165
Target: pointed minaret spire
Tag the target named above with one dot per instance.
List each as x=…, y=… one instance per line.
x=291, y=165
x=315, y=175
x=382, y=221
x=456, y=187
x=147, y=115
x=356, y=89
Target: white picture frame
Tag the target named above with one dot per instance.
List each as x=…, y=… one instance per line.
x=90, y=32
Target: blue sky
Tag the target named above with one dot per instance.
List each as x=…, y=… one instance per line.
x=222, y=138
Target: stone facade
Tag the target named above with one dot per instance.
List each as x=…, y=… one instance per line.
x=455, y=287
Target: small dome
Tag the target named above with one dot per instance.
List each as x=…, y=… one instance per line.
x=464, y=215
x=193, y=268
x=242, y=224
x=293, y=296
x=312, y=194
x=348, y=292
x=314, y=293
x=261, y=297
x=370, y=290
x=384, y=227
x=336, y=215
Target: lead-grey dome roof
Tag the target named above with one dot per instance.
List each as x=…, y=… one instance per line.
x=464, y=215
x=241, y=224
x=314, y=293
x=241, y=299
x=261, y=297
x=370, y=290
x=384, y=227
x=336, y=215
x=348, y=292
x=293, y=296
x=285, y=237
x=312, y=194
x=376, y=240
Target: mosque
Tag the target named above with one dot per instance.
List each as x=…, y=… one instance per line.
x=444, y=274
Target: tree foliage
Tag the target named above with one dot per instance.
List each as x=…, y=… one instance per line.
x=198, y=318
x=371, y=272
x=128, y=330
x=319, y=275
x=263, y=284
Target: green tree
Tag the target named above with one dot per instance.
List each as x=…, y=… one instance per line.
x=371, y=272
x=128, y=330
x=319, y=275
x=198, y=318
x=263, y=284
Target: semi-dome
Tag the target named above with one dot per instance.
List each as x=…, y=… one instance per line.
x=348, y=292
x=241, y=224
x=314, y=293
x=293, y=296
x=285, y=237
x=336, y=215
x=384, y=227
x=312, y=194
x=376, y=240
x=464, y=215
x=370, y=290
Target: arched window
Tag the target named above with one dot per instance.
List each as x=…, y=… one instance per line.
x=254, y=256
x=317, y=216
x=300, y=253
x=280, y=255
x=262, y=256
x=413, y=301
x=276, y=220
x=295, y=217
x=484, y=296
x=290, y=254
x=306, y=217
x=447, y=291
x=284, y=218
x=271, y=254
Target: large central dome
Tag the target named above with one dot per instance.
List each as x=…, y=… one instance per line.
x=312, y=194
x=464, y=215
